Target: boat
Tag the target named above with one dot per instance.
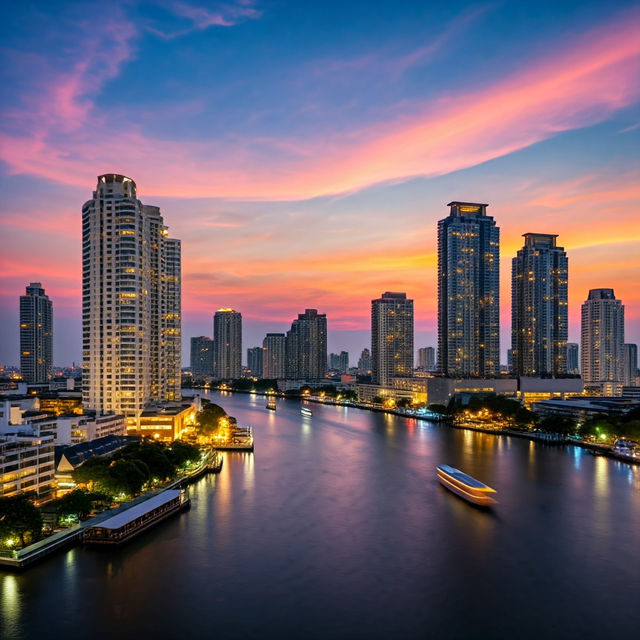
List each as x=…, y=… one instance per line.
x=465, y=486
x=271, y=405
x=127, y=524
x=306, y=412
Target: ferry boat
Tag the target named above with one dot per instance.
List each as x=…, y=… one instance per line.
x=465, y=486
x=306, y=412
x=271, y=405
x=129, y=523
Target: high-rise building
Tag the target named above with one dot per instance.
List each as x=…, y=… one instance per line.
x=36, y=335
x=255, y=361
x=202, y=356
x=602, y=348
x=391, y=337
x=339, y=361
x=573, y=358
x=539, y=307
x=227, y=344
x=468, y=292
x=131, y=308
x=364, y=363
x=306, y=346
x=274, y=351
x=630, y=374
x=427, y=358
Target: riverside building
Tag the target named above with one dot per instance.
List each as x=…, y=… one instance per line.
x=201, y=356
x=468, y=292
x=131, y=311
x=602, y=348
x=274, y=356
x=227, y=344
x=539, y=307
x=306, y=347
x=391, y=337
x=36, y=335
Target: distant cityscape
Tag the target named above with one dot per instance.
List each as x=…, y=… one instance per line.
x=131, y=382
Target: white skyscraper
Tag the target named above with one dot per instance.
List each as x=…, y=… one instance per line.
x=131, y=307
x=602, y=349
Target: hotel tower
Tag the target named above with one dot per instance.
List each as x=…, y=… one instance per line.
x=227, y=344
x=468, y=292
x=131, y=310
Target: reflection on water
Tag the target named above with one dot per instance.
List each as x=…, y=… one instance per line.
x=337, y=528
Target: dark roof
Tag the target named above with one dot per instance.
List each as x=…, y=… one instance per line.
x=77, y=454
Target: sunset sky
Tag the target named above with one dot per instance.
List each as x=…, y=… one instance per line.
x=304, y=151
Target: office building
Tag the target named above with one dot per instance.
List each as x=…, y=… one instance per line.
x=468, y=292
x=539, y=307
x=630, y=373
x=602, y=348
x=227, y=344
x=391, y=337
x=306, y=346
x=274, y=351
x=36, y=335
x=427, y=358
x=131, y=308
x=255, y=361
x=573, y=358
x=201, y=356
x=339, y=361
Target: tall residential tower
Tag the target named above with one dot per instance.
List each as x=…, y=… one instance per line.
x=602, y=348
x=131, y=311
x=36, y=335
x=306, y=346
x=227, y=344
x=468, y=292
x=202, y=356
x=391, y=338
x=539, y=307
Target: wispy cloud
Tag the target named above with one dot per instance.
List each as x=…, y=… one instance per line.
x=579, y=84
x=201, y=18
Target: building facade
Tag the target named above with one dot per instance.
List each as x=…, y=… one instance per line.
x=602, y=348
x=573, y=358
x=364, y=363
x=306, y=347
x=131, y=307
x=201, y=356
x=468, y=292
x=630, y=373
x=26, y=465
x=391, y=337
x=36, y=335
x=227, y=344
x=255, y=361
x=274, y=356
x=427, y=358
x=539, y=307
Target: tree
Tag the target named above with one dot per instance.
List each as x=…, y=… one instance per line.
x=181, y=453
x=93, y=472
x=558, y=424
x=125, y=477
x=207, y=420
x=19, y=518
x=78, y=502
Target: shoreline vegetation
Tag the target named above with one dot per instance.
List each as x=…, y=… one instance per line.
x=615, y=437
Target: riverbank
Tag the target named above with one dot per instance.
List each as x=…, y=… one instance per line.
x=62, y=540
x=536, y=436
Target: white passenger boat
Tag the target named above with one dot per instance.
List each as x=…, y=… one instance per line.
x=465, y=486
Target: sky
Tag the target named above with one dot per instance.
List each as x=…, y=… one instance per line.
x=304, y=151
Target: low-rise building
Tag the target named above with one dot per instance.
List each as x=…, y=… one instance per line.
x=26, y=465
x=585, y=408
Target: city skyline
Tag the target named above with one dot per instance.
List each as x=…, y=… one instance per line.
x=550, y=132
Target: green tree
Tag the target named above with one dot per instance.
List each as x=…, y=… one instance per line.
x=93, y=471
x=558, y=424
x=20, y=519
x=125, y=477
x=181, y=453
x=207, y=420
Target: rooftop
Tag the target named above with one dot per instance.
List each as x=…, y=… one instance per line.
x=128, y=515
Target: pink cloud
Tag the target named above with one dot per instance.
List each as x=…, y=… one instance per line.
x=578, y=85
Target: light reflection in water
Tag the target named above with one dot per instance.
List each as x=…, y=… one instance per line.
x=9, y=603
x=601, y=477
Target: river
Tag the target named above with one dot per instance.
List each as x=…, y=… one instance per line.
x=337, y=528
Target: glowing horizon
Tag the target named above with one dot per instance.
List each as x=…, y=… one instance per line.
x=315, y=177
